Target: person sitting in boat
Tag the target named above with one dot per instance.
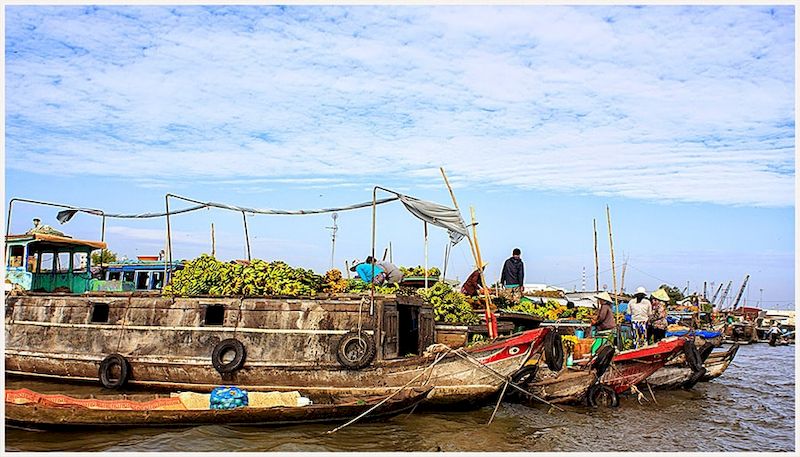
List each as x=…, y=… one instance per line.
x=473, y=284
x=368, y=271
x=393, y=274
x=640, y=310
x=603, y=321
x=658, y=315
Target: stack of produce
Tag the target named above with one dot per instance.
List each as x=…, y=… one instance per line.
x=228, y=398
x=419, y=271
x=449, y=305
x=208, y=276
x=333, y=283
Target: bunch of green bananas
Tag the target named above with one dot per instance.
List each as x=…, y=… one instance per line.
x=208, y=276
x=449, y=305
x=419, y=271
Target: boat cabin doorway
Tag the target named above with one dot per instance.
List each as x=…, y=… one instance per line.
x=408, y=329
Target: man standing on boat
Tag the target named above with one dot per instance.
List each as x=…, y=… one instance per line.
x=640, y=310
x=513, y=276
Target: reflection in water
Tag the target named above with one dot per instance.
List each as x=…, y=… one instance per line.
x=749, y=408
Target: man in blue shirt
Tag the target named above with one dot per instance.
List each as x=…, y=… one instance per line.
x=365, y=271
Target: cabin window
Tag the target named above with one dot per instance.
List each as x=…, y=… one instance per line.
x=142, y=280
x=15, y=255
x=113, y=275
x=215, y=315
x=79, y=261
x=158, y=279
x=63, y=262
x=100, y=313
x=46, y=265
x=127, y=276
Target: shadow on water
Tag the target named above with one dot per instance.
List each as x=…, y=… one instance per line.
x=749, y=408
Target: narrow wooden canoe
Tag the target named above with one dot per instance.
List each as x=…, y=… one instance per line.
x=45, y=414
x=631, y=367
x=718, y=362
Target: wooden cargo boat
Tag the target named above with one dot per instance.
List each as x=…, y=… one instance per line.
x=718, y=362
x=257, y=343
x=28, y=409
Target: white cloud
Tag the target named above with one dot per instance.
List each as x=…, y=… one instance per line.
x=655, y=103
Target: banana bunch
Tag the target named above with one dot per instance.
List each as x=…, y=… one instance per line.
x=208, y=276
x=419, y=271
x=333, y=283
x=449, y=305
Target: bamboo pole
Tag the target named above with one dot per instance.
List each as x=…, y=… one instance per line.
x=213, y=243
x=596, y=262
x=474, y=254
x=613, y=274
x=479, y=261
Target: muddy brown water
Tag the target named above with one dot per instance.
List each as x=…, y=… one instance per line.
x=751, y=407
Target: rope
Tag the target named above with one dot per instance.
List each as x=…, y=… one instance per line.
x=501, y=377
x=502, y=394
x=390, y=396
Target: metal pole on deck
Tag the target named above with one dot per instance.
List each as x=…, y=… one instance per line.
x=167, y=271
x=246, y=235
x=425, y=228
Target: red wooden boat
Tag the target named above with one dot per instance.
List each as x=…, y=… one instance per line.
x=631, y=367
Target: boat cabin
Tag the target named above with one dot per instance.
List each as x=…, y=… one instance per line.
x=139, y=274
x=49, y=263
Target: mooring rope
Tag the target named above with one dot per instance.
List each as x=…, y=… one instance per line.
x=440, y=357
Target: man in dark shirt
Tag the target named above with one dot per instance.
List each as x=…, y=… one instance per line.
x=473, y=283
x=513, y=275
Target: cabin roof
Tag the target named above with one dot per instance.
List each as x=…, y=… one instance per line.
x=54, y=239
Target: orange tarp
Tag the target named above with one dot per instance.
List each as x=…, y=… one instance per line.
x=23, y=396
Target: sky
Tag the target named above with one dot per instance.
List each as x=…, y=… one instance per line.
x=679, y=119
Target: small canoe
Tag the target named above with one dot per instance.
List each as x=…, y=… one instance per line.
x=718, y=362
x=28, y=409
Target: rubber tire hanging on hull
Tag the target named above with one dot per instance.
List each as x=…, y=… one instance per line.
x=694, y=378
x=705, y=351
x=692, y=356
x=523, y=378
x=356, y=350
x=238, y=358
x=553, y=351
x=602, y=395
x=106, y=375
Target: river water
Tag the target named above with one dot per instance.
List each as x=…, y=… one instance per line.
x=751, y=407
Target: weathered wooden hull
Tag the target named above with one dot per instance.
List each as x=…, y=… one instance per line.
x=38, y=415
x=290, y=343
x=718, y=362
x=566, y=386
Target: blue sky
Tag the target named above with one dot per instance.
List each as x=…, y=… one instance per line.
x=681, y=119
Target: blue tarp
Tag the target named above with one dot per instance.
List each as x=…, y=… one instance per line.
x=702, y=333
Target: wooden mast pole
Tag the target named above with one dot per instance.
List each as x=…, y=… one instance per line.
x=479, y=261
x=613, y=274
x=596, y=262
x=474, y=255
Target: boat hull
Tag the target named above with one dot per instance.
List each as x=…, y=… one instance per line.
x=46, y=415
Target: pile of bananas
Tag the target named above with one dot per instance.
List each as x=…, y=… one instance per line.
x=334, y=283
x=449, y=305
x=419, y=271
x=208, y=276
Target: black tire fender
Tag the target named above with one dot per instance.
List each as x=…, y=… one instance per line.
x=602, y=395
x=523, y=378
x=692, y=355
x=106, y=374
x=223, y=347
x=553, y=351
x=356, y=350
x=603, y=359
